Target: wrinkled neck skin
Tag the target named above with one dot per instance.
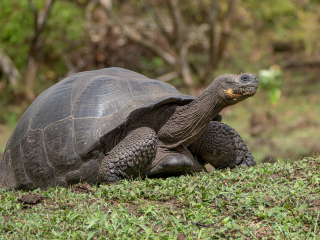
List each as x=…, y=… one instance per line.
x=188, y=122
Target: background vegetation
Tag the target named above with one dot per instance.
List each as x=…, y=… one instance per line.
x=184, y=43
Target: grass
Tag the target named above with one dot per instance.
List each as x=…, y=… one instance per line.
x=269, y=201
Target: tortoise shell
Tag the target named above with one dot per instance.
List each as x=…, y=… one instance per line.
x=66, y=124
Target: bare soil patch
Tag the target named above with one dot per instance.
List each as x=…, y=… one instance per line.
x=81, y=188
x=277, y=175
x=31, y=199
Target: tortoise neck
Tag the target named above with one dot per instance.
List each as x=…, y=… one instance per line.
x=188, y=122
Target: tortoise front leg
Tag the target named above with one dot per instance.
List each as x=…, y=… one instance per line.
x=222, y=147
x=130, y=157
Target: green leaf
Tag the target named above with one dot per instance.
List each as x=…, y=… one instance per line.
x=275, y=95
x=270, y=213
x=285, y=226
x=227, y=219
x=91, y=235
x=91, y=223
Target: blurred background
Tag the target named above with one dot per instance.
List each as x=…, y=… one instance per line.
x=184, y=43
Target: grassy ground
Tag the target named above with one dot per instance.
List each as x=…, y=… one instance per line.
x=269, y=201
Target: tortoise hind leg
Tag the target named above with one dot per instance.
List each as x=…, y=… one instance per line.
x=222, y=147
x=7, y=180
x=12, y=172
x=130, y=157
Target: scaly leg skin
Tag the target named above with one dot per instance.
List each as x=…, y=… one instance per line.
x=221, y=146
x=130, y=156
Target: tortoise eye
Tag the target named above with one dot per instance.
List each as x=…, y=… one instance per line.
x=244, y=78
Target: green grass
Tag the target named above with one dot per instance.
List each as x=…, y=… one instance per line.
x=269, y=201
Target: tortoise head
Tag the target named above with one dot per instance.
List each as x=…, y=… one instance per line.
x=236, y=88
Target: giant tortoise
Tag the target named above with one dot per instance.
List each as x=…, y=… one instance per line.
x=105, y=125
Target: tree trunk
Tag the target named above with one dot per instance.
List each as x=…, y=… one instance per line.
x=176, y=43
x=217, y=50
x=9, y=69
x=32, y=63
x=30, y=77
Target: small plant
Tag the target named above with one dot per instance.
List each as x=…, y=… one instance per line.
x=270, y=81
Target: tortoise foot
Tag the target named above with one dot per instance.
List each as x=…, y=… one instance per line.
x=247, y=159
x=174, y=164
x=87, y=173
x=130, y=156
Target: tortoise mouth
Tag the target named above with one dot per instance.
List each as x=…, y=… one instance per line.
x=247, y=90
